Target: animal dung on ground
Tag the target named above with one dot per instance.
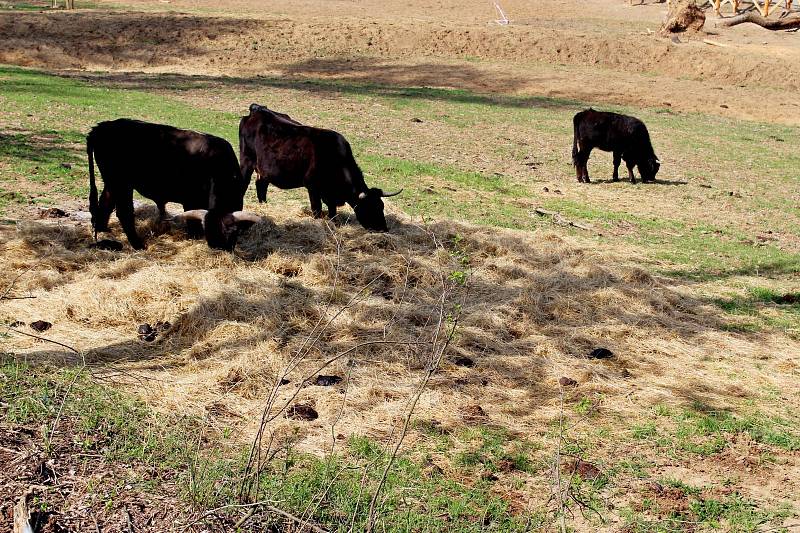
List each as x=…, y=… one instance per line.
x=146, y=333
x=327, y=381
x=463, y=361
x=416, y=120
x=149, y=333
x=601, y=353
x=302, y=411
x=107, y=244
x=16, y=324
x=41, y=325
x=567, y=382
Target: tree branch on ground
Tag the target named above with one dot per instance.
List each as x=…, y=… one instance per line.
x=785, y=23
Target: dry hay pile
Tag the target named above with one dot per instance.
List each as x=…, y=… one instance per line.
x=532, y=308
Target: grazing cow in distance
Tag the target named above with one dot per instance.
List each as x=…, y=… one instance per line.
x=167, y=164
x=290, y=155
x=627, y=137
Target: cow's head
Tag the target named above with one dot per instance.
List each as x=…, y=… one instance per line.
x=221, y=229
x=369, y=208
x=649, y=168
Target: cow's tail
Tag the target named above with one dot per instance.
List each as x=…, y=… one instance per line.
x=575, y=122
x=93, y=202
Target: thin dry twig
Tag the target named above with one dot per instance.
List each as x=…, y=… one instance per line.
x=437, y=353
x=67, y=346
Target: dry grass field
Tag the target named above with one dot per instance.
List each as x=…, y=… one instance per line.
x=322, y=376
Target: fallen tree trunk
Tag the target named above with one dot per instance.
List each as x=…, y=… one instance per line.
x=786, y=23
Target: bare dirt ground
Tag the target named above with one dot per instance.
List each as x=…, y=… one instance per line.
x=594, y=51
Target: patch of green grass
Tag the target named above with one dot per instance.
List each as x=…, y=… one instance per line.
x=707, y=431
x=765, y=308
x=10, y=197
x=680, y=485
x=735, y=513
x=495, y=450
x=100, y=419
x=328, y=489
x=644, y=431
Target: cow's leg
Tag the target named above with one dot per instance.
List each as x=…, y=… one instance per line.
x=581, y=161
x=617, y=161
x=247, y=166
x=126, y=217
x=261, y=189
x=331, y=210
x=162, y=210
x=105, y=206
x=316, y=203
x=630, y=166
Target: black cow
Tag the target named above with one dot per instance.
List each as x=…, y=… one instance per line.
x=627, y=137
x=167, y=164
x=289, y=155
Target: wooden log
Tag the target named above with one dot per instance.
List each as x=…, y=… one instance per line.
x=786, y=23
x=21, y=516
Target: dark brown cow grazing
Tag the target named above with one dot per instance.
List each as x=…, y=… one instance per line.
x=627, y=137
x=167, y=164
x=289, y=155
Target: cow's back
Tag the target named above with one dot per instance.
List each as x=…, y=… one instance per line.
x=162, y=162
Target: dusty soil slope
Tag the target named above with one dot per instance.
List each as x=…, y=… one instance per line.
x=603, y=53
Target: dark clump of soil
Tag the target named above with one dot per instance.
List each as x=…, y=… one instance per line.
x=586, y=470
x=788, y=298
x=16, y=324
x=302, y=411
x=41, y=326
x=107, y=244
x=52, y=212
x=601, y=353
x=473, y=413
x=327, y=381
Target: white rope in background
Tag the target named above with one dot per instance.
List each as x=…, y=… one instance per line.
x=502, y=18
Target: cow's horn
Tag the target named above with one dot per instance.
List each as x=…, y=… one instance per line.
x=194, y=214
x=658, y=161
x=244, y=216
x=362, y=195
x=387, y=195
